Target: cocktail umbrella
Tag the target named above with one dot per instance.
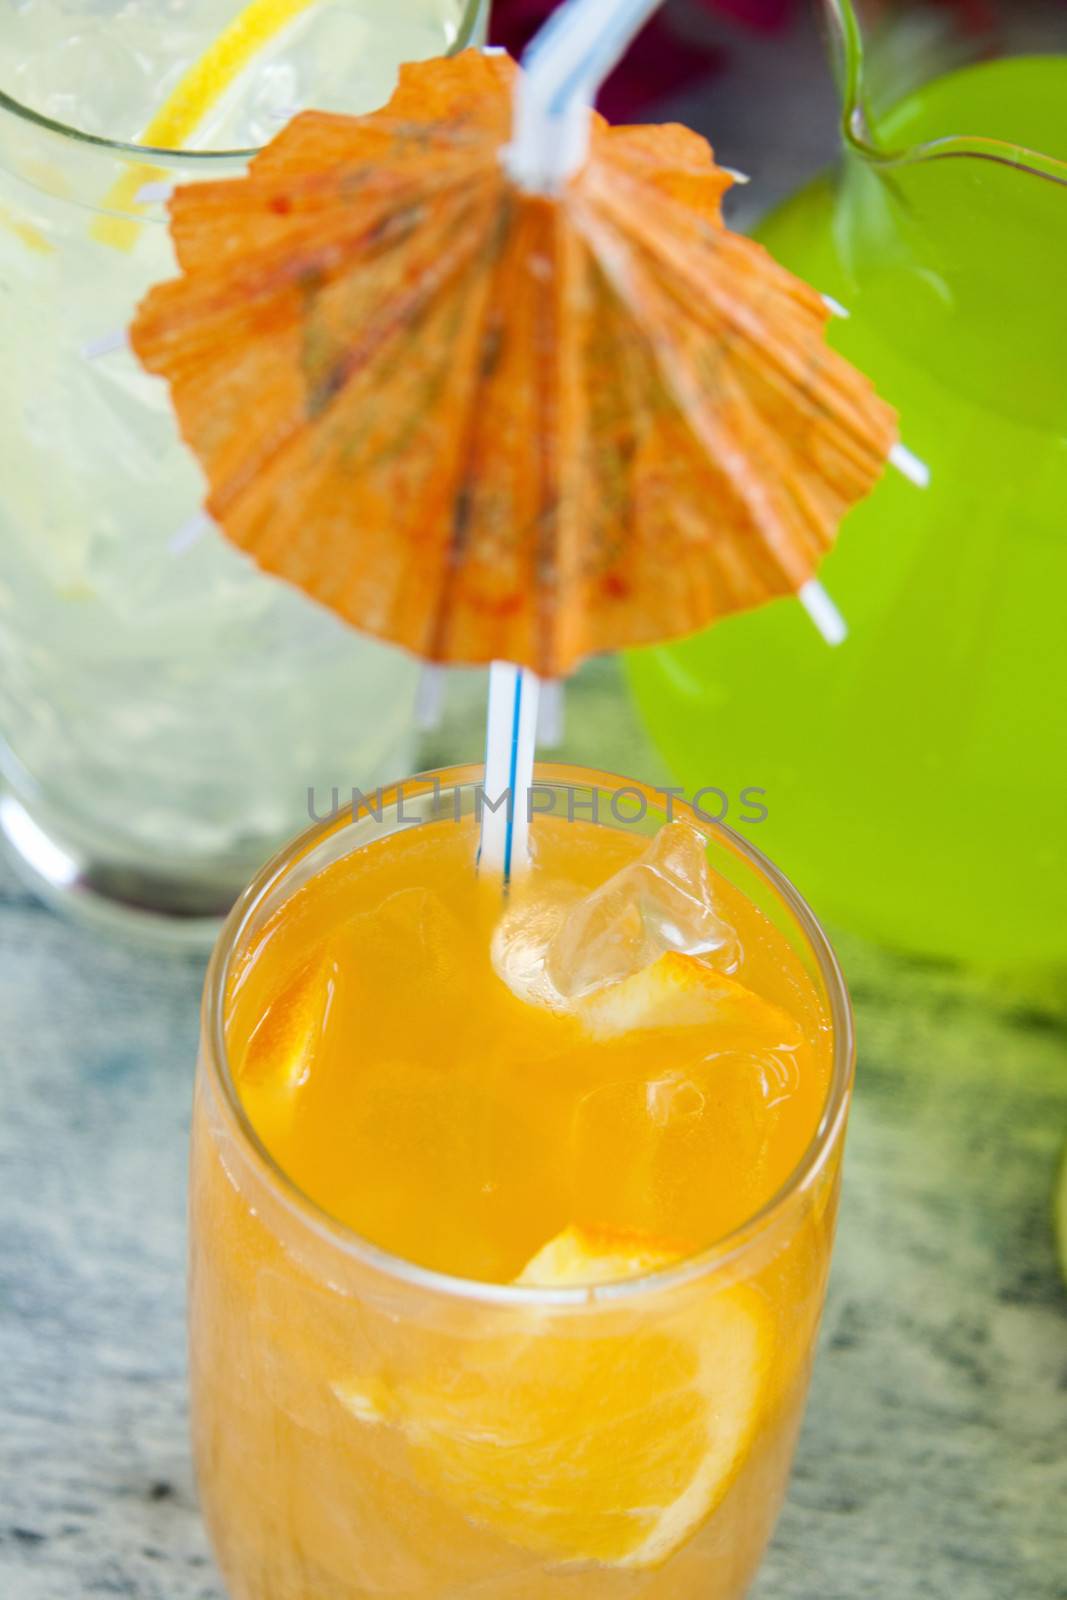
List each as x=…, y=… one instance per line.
x=494, y=381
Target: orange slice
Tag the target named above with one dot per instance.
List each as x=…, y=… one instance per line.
x=280, y=1048
x=595, y=1255
x=608, y=1435
x=682, y=991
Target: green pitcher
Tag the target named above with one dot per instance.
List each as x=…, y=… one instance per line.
x=916, y=776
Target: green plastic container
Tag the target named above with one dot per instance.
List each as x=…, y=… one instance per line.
x=916, y=777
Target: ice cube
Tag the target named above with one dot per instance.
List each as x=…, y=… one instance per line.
x=411, y=945
x=410, y=941
x=686, y=1153
x=561, y=947
x=87, y=79
x=522, y=939
x=662, y=902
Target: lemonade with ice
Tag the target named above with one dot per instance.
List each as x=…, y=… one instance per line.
x=463, y=1320
x=148, y=724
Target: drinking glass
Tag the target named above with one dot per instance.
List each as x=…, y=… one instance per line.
x=924, y=746
x=165, y=709
x=290, y=1311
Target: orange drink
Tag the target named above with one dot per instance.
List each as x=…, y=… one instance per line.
x=511, y=1214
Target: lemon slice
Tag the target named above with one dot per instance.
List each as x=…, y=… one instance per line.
x=31, y=237
x=608, y=1436
x=192, y=98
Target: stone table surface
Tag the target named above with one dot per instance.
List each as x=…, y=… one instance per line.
x=933, y=1464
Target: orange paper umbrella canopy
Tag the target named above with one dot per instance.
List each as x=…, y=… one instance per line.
x=485, y=424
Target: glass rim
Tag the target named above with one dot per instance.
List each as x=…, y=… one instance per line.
x=720, y=1253
x=159, y=155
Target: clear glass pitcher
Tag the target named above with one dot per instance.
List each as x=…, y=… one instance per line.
x=164, y=708
x=916, y=777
